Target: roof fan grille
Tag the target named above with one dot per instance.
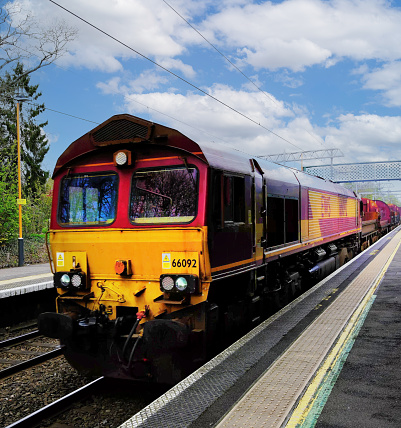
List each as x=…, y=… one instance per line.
x=122, y=129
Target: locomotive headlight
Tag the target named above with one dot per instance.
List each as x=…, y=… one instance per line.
x=121, y=158
x=65, y=280
x=181, y=283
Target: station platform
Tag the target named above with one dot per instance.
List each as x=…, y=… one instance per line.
x=25, y=279
x=331, y=358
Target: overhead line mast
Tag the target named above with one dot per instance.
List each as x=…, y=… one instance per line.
x=305, y=155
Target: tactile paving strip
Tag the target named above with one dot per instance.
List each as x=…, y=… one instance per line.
x=269, y=401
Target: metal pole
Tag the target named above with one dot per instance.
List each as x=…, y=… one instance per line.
x=20, y=238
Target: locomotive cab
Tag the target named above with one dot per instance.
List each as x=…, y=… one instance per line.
x=128, y=243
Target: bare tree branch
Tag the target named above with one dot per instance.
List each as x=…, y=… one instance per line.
x=24, y=39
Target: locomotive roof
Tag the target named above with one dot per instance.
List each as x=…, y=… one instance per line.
x=128, y=129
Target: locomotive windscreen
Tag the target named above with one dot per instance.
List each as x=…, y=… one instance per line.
x=88, y=199
x=165, y=195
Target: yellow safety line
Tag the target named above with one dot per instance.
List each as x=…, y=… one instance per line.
x=306, y=403
x=26, y=278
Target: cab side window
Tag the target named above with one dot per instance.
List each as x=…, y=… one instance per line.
x=228, y=199
x=282, y=220
x=291, y=220
x=275, y=221
x=234, y=199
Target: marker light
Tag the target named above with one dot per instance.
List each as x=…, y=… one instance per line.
x=167, y=283
x=186, y=284
x=72, y=280
x=76, y=280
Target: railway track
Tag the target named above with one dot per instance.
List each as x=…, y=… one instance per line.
x=16, y=354
x=60, y=405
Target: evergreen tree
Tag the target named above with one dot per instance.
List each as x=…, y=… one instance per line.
x=34, y=144
x=8, y=206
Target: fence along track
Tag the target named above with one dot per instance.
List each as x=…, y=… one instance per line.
x=34, y=252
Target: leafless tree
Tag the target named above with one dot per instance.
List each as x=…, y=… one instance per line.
x=24, y=39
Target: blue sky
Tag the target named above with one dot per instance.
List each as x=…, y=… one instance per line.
x=329, y=72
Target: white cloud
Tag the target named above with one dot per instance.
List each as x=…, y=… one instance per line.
x=176, y=64
x=366, y=138
x=293, y=33
x=147, y=27
x=362, y=138
x=386, y=79
x=146, y=81
x=274, y=53
x=111, y=87
x=202, y=112
x=272, y=129
x=290, y=35
x=299, y=33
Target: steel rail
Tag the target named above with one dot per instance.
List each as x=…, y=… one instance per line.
x=23, y=365
x=19, y=339
x=58, y=406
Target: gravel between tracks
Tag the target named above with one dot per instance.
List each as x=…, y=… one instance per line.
x=28, y=391
x=23, y=393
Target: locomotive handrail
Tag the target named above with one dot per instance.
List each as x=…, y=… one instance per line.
x=49, y=252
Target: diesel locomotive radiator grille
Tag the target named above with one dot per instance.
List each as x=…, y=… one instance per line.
x=120, y=130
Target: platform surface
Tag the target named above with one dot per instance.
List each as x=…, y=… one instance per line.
x=280, y=392
x=278, y=374
x=25, y=279
x=367, y=392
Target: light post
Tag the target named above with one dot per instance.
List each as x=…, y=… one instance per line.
x=19, y=98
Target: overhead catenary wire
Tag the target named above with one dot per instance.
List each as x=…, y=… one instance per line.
x=227, y=59
x=65, y=114
x=221, y=53
x=44, y=107
x=131, y=97
x=13, y=87
x=173, y=74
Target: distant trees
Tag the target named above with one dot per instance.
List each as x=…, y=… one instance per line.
x=34, y=146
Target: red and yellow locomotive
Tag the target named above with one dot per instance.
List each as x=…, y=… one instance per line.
x=162, y=246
